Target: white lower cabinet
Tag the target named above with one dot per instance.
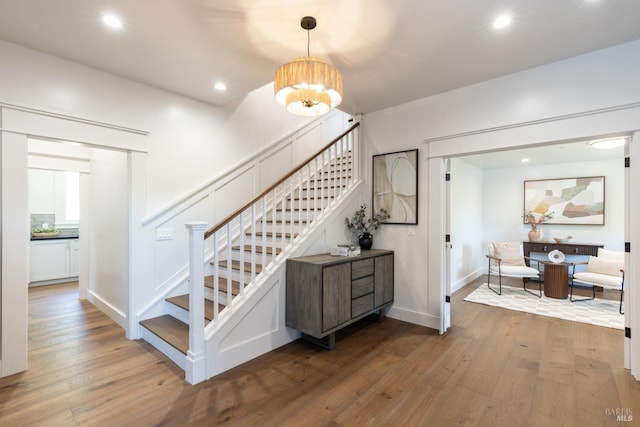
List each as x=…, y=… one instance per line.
x=54, y=259
x=74, y=257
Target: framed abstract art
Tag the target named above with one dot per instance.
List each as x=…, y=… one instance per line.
x=569, y=200
x=395, y=186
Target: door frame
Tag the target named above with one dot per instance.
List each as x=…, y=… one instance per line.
x=17, y=123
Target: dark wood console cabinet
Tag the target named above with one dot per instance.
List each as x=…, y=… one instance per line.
x=565, y=248
x=326, y=293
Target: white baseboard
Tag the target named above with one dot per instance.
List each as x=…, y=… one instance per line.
x=461, y=283
x=116, y=315
x=414, y=317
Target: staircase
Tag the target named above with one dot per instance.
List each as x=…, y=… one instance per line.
x=231, y=260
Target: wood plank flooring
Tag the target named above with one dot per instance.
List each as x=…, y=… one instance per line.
x=493, y=368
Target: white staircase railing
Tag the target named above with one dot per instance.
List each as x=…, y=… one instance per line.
x=246, y=243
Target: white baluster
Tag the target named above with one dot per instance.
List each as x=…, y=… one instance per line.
x=229, y=265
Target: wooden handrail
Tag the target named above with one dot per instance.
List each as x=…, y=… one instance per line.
x=237, y=212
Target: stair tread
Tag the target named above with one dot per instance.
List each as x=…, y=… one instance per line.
x=304, y=221
x=270, y=234
x=247, y=248
x=171, y=330
x=182, y=301
x=222, y=284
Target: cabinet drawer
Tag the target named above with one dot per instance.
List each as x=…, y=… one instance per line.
x=362, y=268
x=361, y=286
x=361, y=305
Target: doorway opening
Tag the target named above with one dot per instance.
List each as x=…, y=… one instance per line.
x=54, y=218
x=486, y=203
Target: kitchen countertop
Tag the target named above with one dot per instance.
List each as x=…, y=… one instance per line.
x=71, y=233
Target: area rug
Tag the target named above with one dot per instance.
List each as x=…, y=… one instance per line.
x=596, y=312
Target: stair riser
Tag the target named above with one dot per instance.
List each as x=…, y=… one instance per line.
x=165, y=348
x=177, y=312
x=208, y=295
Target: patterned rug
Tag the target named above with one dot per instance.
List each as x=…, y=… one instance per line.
x=596, y=312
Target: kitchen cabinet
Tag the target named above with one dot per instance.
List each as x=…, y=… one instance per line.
x=54, y=259
x=74, y=257
x=326, y=293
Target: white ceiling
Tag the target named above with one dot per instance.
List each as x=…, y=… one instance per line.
x=390, y=52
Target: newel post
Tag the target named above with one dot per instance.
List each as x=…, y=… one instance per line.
x=196, y=364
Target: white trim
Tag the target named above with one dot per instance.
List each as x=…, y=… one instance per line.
x=14, y=253
x=50, y=126
x=535, y=122
x=466, y=280
x=632, y=259
x=72, y=118
x=611, y=122
x=116, y=315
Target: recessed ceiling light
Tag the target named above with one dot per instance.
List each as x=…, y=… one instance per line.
x=502, y=21
x=525, y=160
x=608, y=143
x=112, y=21
x=220, y=86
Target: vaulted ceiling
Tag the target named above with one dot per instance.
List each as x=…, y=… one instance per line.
x=390, y=52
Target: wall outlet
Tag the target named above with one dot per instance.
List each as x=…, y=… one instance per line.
x=164, y=233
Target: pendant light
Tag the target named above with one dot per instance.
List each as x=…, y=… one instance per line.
x=308, y=86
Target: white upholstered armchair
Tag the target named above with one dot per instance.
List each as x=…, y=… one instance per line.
x=606, y=271
x=506, y=259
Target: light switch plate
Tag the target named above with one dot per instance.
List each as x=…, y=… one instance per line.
x=164, y=233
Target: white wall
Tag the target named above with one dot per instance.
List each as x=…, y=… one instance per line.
x=188, y=141
x=42, y=191
x=593, y=94
x=502, y=212
x=109, y=233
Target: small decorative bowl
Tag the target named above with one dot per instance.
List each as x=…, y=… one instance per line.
x=556, y=256
x=563, y=239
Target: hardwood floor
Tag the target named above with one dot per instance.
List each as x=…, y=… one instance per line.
x=493, y=368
